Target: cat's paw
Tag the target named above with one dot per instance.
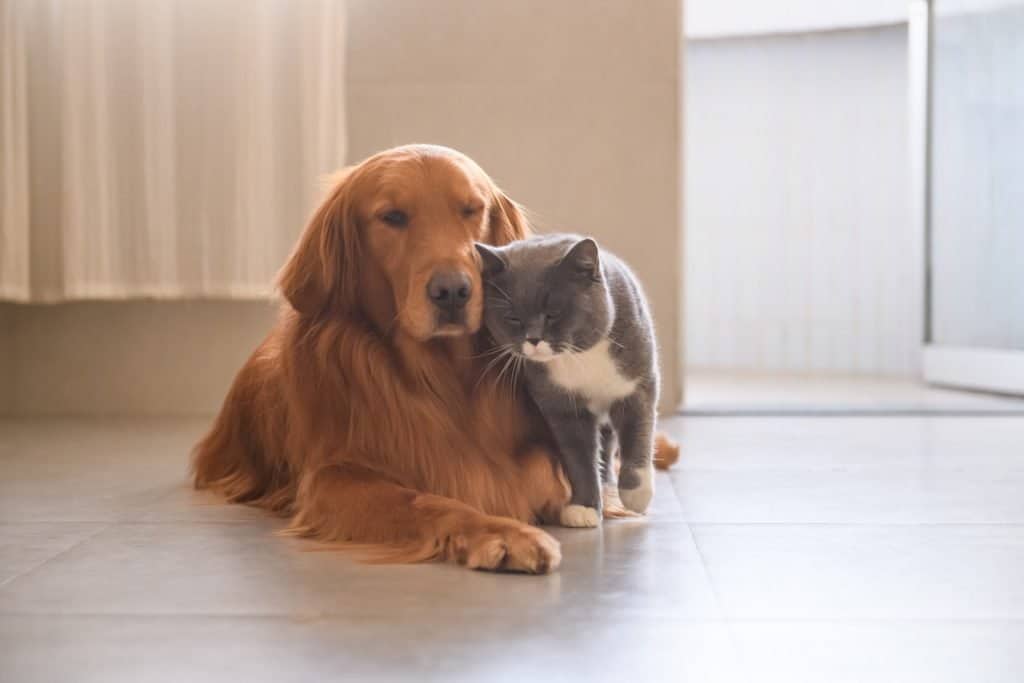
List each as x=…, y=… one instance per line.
x=580, y=516
x=612, y=508
x=641, y=483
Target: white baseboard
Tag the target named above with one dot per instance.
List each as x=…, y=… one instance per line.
x=996, y=370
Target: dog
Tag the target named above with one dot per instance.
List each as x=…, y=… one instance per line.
x=370, y=414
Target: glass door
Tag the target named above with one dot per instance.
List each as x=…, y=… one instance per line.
x=970, y=54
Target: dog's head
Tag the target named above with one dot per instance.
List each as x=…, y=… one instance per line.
x=394, y=241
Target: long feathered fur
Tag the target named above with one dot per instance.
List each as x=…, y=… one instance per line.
x=367, y=435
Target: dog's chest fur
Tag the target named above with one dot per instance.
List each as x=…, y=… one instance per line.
x=592, y=374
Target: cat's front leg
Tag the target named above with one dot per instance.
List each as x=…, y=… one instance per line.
x=633, y=419
x=576, y=433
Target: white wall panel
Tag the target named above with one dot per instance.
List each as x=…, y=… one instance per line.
x=800, y=253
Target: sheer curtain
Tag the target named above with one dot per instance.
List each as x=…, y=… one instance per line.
x=162, y=148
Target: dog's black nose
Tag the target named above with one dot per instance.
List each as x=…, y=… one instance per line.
x=449, y=290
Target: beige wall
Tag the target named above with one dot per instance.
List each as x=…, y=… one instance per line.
x=572, y=106
x=6, y=360
x=144, y=357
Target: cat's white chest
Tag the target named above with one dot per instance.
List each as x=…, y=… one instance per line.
x=592, y=374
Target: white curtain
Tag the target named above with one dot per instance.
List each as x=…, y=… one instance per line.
x=162, y=148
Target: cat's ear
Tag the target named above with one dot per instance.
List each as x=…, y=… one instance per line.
x=583, y=261
x=491, y=259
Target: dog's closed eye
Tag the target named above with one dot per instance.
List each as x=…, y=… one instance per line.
x=395, y=218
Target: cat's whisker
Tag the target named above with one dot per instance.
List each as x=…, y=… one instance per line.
x=614, y=341
x=516, y=371
x=575, y=352
x=508, y=363
x=489, y=352
x=502, y=353
x=572, y=348
x=497, y=359
x=394, y=320
x=522, y=367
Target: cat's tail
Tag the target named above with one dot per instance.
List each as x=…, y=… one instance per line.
x=666, y=451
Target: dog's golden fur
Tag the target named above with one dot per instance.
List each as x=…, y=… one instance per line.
x=360, y=419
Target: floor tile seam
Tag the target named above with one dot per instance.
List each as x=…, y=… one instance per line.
x=734, y=641
x=36, y=567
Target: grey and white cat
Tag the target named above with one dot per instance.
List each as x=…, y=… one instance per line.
x=577, y=317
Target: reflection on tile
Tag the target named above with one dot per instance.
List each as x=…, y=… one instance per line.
x=865, y=572
x=26, y=546
x=726, y=443
x=633, y=567
x=446, y=648
x=89, y=470
x=179, y=502
x=850, y=469
x=665, y=505
x=725, y=390
x=852, y=495
x=680, y=594
x=907, y=651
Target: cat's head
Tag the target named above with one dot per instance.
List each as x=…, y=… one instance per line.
x=545, y=296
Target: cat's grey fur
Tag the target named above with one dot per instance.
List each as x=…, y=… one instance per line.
x=599, y=383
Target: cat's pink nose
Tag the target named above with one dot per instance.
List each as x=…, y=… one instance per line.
x=536, y=349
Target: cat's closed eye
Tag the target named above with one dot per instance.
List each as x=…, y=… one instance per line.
x=514, y=321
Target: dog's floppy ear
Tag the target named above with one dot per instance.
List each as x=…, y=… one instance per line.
x=320, y=275
x=507, y=221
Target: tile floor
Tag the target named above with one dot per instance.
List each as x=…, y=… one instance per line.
x=780, y=549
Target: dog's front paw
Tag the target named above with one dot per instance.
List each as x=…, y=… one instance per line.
x=636, y=487
x=511, y=546
x=580, y=516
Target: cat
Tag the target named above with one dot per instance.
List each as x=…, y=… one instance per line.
x=575, y=318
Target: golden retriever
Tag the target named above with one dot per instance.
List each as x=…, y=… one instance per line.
x=369, y=414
